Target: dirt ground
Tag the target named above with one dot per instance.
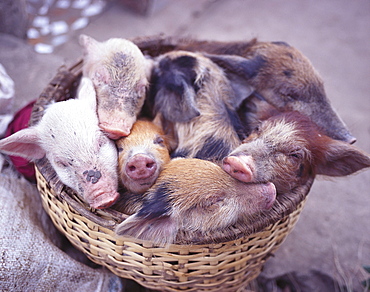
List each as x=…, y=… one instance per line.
x=332, y=236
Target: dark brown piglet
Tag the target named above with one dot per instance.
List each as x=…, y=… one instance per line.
x=142, y=156
x=197, y=196
x=276, y=71
x=289, y=148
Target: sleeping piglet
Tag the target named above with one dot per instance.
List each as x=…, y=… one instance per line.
x=287, y=149
x=275, y=71
x=69, y=136
x=197, y=196
x=196, y=99
x=119, y=72
x=141, y=156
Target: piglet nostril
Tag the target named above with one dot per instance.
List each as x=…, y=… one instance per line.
x=150, y=165
x=352, y=140
x=131, y=168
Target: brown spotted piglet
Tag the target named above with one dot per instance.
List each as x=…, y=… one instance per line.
x=195, y=196
x=142, y=156
x=120, y=73
x=289, y=148
x=194, y=97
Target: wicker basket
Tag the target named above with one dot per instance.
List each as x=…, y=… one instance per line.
x=225, y=264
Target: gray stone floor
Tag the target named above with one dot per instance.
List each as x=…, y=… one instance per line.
x=333, y=233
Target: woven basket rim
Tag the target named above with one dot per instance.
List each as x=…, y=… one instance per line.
x=63, y=86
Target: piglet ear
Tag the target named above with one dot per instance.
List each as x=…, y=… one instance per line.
x=177, y=106
x=160, y=230
x=24, y=143
x=86, y=92
x=88, y=44
x=243, y=67
x=92, y=52
x=101, y=76
x=341, y=159
x=239, y=71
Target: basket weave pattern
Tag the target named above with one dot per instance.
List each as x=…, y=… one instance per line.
x=225, y=264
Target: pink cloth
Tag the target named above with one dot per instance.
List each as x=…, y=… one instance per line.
x=19, y=122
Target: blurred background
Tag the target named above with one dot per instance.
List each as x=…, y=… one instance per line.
x=331, y=243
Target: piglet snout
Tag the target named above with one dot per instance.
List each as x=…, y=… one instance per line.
x=141, y=166
x=350, y=139
x=239, y=167
x=104, y=200
x=113, y=132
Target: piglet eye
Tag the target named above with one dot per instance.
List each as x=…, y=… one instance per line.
x=158, y=140
x=256, y=129
x=288, y=97
x=61, y=163
x=102, y=140
x=296, y=155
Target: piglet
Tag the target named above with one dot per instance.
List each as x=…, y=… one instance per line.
x=197, y=196
x=69, y=136
x=289, y=148
x=279, y=73
x=119, y=72
x=142, y=156
x=195, y=98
